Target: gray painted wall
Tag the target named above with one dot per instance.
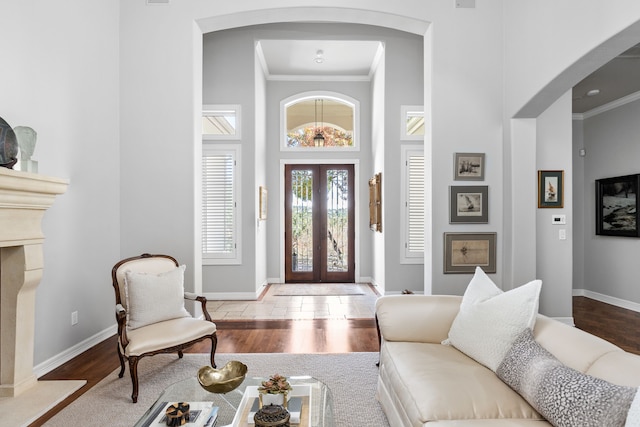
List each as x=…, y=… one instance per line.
x=67, y=88
x=610, y=264
x=553, y=256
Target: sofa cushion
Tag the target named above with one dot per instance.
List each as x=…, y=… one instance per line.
x=167, y=334
x=154, y=298
x=564, y=396
x=436, y=382
x=489, y=319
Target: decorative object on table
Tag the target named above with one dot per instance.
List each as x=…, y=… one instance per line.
x=274, y=391
x=272, y=416
x=468, y=167
x=177, y=414
x=8, y=145
x=27, y=142
x=222, y=380
x=617, y=206
x=463, y=252
x=551, y=189
x=375, y=203
x=469, y=204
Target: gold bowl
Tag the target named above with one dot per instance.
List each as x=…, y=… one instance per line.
x=222, y=380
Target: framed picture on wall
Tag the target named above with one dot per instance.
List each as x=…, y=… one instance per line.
x=463, y=252
x=468, y=167
x=263, y=202
x=550, y=189
x=617, y=206
x=375, y=203
x=468, y=204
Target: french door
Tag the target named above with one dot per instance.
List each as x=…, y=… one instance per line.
x=319, y=223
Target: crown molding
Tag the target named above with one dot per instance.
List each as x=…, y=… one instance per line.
x=318, y=78
x=608, y=107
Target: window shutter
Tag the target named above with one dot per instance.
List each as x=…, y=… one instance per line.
x=218, y=205
x=415, y=203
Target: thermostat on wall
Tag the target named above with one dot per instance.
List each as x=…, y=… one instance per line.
x=559, y=219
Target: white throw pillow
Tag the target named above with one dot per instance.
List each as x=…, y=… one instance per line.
x=490, y=320
x=152, y=298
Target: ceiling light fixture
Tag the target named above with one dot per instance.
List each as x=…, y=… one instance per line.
x=318, y=140
x=593, y=92
x=319, y=59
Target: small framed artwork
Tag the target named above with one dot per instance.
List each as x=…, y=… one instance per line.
x=463, y=252
x=263, y=203
x=550, y=189
x=617, y=206
x=375, y=203
x=469, y=167
x=468, y=204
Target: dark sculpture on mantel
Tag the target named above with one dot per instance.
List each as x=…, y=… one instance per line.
x=8, y=145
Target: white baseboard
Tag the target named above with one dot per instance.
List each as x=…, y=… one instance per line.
x=381, y=290
x=618, y=302
x=62, y=358
x=232, y=296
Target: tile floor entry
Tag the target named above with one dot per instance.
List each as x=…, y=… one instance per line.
x=302, y=302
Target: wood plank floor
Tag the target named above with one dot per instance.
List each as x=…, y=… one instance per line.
x=620, y=326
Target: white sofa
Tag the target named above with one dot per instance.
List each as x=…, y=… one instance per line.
x=421, y=381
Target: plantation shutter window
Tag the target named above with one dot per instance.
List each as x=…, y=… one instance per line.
x=219, y=205
x=413, y=204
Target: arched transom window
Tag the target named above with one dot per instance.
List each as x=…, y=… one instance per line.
x=320, y=121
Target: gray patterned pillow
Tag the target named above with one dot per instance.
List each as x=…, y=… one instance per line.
x=564, y=396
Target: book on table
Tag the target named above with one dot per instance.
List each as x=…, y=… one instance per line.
x=201, y=414
x=299, y=406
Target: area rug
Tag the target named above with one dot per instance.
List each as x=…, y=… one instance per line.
x=319, y=289
x=351, y=377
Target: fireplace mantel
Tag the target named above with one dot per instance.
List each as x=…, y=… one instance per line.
x=24, y=199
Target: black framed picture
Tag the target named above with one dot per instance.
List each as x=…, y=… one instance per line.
x=550, y=189
x=617, y=206
x=469, y=204
x=463, y=252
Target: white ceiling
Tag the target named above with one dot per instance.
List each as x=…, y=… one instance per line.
x=356, y=60
x=340, y=59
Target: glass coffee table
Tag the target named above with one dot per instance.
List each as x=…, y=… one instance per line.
x=234, y=409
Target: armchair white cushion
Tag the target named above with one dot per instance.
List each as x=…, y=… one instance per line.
x=152, y=298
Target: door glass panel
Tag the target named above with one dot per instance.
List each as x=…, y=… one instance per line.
x=302, y=220
x=337, y=220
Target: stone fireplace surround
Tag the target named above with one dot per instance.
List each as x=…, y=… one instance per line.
x=24, y=198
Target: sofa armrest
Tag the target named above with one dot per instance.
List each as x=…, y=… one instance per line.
x=416, y=318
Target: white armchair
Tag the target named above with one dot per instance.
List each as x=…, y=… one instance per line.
x=150, y=312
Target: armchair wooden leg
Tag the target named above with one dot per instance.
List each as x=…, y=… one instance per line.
x=121, y=374
x=180, y=354
x=133, y=368
x=214, y=344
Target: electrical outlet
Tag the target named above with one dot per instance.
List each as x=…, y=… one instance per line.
x=74, y=318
